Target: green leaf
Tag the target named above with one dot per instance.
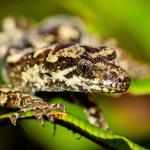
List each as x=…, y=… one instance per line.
x=103, y=138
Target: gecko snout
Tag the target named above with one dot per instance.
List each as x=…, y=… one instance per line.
x=122, y=82
x=115, y=81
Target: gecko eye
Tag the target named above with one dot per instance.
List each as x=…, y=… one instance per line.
x=84, y=67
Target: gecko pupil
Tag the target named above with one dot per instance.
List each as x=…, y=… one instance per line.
x=85, y=67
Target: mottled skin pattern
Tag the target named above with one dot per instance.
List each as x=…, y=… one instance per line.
x=64, y=67
x=52, y=58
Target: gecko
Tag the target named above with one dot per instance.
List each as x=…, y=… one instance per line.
x=52, y=57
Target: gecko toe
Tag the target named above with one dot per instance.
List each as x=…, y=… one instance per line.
x=50, y=117
x=14, y=118
x=40, y=119
x=47, y=111
x=59, y=107
x=38, y=113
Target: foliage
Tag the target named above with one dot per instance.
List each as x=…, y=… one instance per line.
x=99, y=136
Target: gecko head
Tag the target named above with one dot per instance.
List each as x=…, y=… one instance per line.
x=100, y=73
x=102, y=77
x=87, y=69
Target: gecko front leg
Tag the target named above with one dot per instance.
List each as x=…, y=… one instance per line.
x=92, y=110
x=13, y=98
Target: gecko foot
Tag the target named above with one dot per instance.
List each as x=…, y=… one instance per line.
x=96, y=117
x=14, y=98
x=41, y=111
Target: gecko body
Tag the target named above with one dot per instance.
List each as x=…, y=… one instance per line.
x=51, y=57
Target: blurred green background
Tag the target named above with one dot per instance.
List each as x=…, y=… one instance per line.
x=128, y=115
